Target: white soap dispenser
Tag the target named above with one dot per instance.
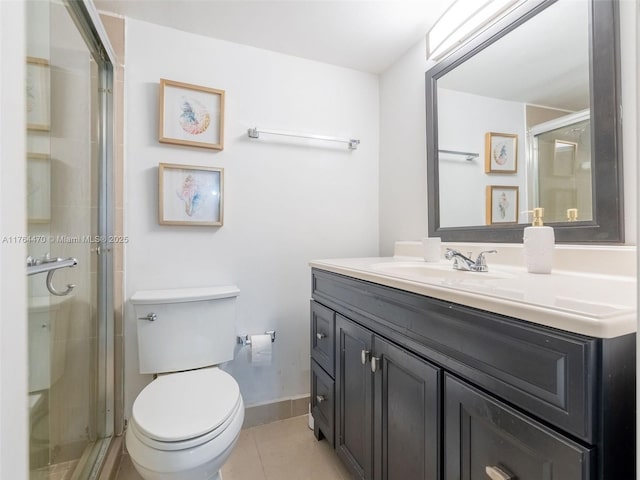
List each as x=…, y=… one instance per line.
x=538, y=245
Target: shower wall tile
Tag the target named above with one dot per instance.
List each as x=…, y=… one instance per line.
x=118, y=181
x=119, y=380
x=70, y=106
x=118, y=251
x=69, y=411
x=70, y=172
x=119, y=111
x=115, y=29
x=118, y=304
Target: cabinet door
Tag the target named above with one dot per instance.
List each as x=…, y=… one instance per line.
x=354, y=395
x=487, y=439
x=406, y=403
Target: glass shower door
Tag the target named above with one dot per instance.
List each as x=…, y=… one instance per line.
x=70, y=337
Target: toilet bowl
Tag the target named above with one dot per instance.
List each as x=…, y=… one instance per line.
x=185, y=423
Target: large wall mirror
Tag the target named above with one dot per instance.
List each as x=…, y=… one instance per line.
x=527, y=115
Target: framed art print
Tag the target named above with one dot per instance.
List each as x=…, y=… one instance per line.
x=501, y=153
x=191, y=115
x=502, y=204
x=190, y=195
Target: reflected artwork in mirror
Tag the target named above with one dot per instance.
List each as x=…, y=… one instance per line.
x=546, y=77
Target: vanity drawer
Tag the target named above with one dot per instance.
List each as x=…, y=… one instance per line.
x=544, y=372
x=322, y=402
x=486, y=439
x=323, y=326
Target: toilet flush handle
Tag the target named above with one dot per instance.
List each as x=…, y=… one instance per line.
x=151, y=317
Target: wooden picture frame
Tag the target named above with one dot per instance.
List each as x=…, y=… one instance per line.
x=501, y=153
x=190, y=195
x=191, y=115
x=38, y=94
x=502, y=204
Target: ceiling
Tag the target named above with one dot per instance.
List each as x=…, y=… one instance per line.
x=361, y=34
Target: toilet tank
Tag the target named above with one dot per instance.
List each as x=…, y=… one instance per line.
x=191, y=327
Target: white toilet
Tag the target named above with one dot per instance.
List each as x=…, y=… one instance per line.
x=185, y=423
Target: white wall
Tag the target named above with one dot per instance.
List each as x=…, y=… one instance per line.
x=403, y=157
x=13, y=311
x=403, y=205
x=287, y=201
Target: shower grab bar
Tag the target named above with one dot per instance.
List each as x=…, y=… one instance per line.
x=50, y=265
x=40, y=266
x=255, y=133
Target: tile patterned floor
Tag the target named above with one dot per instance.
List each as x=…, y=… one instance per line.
x=283, y=450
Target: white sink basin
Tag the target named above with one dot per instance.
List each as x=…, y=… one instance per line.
x=578, y=294
x=437, y=272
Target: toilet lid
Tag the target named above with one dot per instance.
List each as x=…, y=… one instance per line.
x=185, y=405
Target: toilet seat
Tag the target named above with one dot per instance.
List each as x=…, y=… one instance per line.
x=186, y=409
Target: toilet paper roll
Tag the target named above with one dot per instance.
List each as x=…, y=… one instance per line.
x=261, y=349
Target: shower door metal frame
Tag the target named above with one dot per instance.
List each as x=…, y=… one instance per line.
x=85, y=16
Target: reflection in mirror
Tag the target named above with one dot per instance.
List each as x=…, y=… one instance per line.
x=501, y=89
x=560, y=167
x=536, y=78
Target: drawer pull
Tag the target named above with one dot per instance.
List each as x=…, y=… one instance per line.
x=320, y=336
x=364, y=356
x=375, y=364
x=497, y=473
x=320, y=398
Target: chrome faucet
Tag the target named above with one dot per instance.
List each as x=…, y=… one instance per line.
x=462, y=262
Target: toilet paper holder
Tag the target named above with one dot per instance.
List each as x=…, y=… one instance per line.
x=246, y=339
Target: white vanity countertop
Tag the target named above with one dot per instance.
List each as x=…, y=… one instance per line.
x=596, y=305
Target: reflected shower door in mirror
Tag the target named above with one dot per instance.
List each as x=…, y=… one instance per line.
x=531, y=104
x=559, y=175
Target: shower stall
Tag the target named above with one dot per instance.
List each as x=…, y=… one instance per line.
x=69, y=80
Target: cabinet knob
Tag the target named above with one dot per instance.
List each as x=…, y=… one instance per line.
x=320, y=335
x=497, y=473
x=364, y=356
x=375, y=364
x=320, y=398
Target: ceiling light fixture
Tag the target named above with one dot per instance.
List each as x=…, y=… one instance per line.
x=461, y=21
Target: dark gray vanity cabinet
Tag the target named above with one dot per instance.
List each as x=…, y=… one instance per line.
x=386, y=407
x=421, y=388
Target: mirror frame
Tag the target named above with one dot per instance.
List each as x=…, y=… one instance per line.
x=606, y=132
